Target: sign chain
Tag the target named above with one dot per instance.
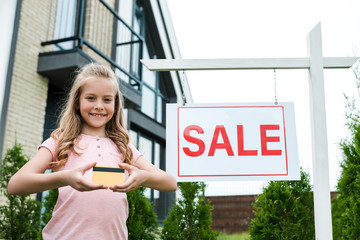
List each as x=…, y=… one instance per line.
x=183, y=87
x=275, y=92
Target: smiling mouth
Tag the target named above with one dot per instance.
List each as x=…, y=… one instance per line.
x=97, y=114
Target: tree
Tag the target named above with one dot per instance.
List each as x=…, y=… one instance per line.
x=20, y=217
x=346, y=215
x=190, y=218
x=142, y=221
x=285, y=210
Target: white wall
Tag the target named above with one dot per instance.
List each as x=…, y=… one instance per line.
x=7, y=16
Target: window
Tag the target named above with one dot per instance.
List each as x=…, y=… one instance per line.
x=127, y=56
x=128, y=45
x=151, y=149
x=152, y=98
x=65, y=23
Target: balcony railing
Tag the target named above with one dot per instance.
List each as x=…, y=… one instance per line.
x=100, y=32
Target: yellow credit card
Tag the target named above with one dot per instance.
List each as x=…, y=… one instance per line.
x=108, y=176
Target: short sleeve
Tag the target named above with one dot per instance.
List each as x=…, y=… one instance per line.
x=51, y=145
x=135, y=152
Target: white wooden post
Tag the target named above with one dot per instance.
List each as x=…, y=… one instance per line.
x=322, y=204
x=315, y=63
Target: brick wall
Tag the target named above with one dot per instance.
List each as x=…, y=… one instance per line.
x=231, y=214
x=28, y=92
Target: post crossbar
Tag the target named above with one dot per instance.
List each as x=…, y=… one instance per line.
x=243, y=63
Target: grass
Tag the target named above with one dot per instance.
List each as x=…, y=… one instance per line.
x=235, y=236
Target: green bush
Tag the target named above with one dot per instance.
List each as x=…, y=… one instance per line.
x=190, y=218
x=142, y=221
x=48, y=204
x=285, y=210
x=346, y=206
x=336, y=212
x=20, y=217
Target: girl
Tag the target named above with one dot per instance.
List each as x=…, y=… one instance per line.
x=91, y=132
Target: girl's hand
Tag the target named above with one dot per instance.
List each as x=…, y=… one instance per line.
x=31, y=178
x=76, y=179
x=135, y=179
x=143, y=173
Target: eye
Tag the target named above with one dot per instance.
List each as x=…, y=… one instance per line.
x=90, y=98
x=107, y=100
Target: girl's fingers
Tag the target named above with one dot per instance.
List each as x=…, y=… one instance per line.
x=79, y=183
x=84, y=186
x=97, y=186
x=89, y=166
x=117, y=189
x=125, y=166
x=122, y=187
x=129, y=185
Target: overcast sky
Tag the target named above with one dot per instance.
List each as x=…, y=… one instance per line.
x=268, y=28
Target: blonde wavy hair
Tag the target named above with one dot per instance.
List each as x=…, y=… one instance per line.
x=71, y=123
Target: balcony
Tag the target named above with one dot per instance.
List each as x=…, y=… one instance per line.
x=92, y=31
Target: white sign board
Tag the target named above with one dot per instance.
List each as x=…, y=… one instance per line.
x=245, y=141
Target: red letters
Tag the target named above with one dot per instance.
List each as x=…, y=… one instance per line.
x=265, y=139
x=215, y=145
x=240, y=136
x=194, y=140
x=220, y=129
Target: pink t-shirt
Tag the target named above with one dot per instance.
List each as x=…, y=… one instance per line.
x=99, y=214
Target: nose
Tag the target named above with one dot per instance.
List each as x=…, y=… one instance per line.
x=99, y=105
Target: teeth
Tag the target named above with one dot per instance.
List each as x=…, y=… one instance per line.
x=97, y=115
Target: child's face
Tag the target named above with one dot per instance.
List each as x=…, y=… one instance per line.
x=97, y=103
